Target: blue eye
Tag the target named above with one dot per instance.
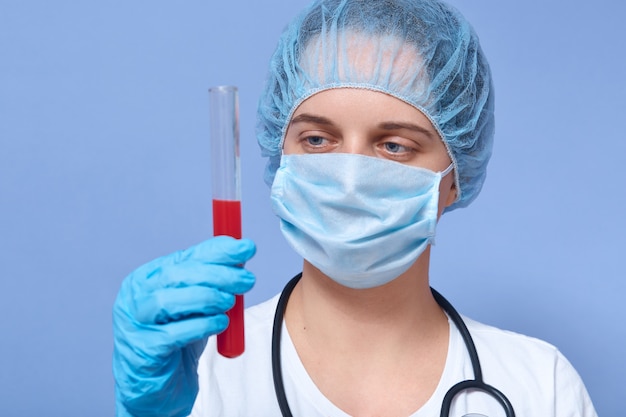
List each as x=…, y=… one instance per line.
x=315, y=140
x=394, y=147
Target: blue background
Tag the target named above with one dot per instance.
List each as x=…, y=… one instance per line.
x=104, y=165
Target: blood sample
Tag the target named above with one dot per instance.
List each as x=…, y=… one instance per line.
x=225, y=180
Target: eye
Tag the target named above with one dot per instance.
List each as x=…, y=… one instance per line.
x=395, y=148
x=315, y=141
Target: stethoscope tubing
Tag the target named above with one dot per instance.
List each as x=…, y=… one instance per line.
x=277, y=373
x=476, y=384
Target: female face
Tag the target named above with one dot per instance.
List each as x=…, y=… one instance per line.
x=360, y=121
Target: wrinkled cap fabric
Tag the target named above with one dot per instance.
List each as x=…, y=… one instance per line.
x=420, y=51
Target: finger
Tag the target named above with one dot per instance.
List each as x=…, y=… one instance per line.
x=232, y=279
x=220, y=250
x=154, y=343
x=223, y=250
x=171, y=304
x=178, y=334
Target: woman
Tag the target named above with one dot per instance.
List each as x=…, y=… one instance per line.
x=377, y=118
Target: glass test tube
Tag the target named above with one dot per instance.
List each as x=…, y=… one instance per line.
x=225, y=180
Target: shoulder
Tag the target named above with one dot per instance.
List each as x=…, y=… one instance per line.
x=510, y=353
x=530, y=368
x=506, y=340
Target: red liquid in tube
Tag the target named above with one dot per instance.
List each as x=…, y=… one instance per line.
x=227, y=221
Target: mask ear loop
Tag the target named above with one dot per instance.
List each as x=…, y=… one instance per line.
x=447, y=170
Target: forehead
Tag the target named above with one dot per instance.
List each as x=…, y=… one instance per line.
x=351, y=57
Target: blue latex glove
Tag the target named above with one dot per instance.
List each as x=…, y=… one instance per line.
x=162, y=317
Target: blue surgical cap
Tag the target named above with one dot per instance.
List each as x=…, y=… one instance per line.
x=420, y=51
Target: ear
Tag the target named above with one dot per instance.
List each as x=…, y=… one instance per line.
x=447, y=194
x=452, y=195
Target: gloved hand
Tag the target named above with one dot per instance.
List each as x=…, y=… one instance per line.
x=162, y=317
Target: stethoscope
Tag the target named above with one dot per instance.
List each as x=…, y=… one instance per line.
x=474, y=384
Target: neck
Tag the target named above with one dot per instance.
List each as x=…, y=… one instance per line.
x=362, y=347
x=400, y=313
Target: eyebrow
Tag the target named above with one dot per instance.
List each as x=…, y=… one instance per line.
x=321, y=120
x=407, y=126
x=311, y=118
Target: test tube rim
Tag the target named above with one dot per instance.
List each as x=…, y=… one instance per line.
x=223, y=88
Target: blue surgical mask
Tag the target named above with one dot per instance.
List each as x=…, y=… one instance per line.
x=361, y=220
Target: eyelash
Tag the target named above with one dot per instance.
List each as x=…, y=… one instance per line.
x=387, y=145
x=308, y=140
x=388, y=148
